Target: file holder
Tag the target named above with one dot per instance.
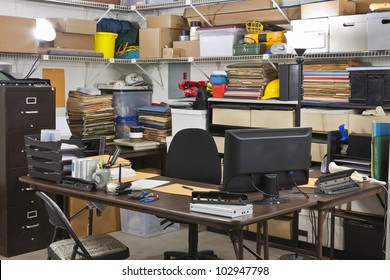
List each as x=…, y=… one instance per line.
x=46, y=159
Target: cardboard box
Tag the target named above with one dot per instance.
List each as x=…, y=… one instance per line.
x=282, y=227
x=227, y=8
x=231, y=117
x=348, y=33
x=70, y=25
x=311, y=34
x=220, y=142
x=363, y=124
x=322, y=120
x=266, y=16
x=108, y=221
x=188, y=48
x=168, y=21
x=378, y=31
x=153, y=40
x=17, y=35
x=363, y=6
x=328, y=9
x=74, y=41
x=318, y=151
x=171, y=52
x=272, y=118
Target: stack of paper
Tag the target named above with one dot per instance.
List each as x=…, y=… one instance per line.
x=157, y=122
x=91, y=116
x=248, y=80
x=327, y=82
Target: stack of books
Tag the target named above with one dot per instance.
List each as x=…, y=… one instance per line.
x=157, y=121
x=91, y=115
x=248, y=80
x=328, y=82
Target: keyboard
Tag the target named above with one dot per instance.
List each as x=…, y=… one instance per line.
x=78, y=184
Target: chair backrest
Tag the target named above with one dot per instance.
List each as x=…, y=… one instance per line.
x=193, y=155
x=58, y=219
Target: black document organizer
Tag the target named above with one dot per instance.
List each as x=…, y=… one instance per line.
x=45, y=159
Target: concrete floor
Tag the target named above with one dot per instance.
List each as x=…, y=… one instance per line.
x=152, y=248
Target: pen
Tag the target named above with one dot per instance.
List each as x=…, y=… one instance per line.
x=187, y=188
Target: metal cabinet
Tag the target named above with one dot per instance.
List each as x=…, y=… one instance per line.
x=25, y=108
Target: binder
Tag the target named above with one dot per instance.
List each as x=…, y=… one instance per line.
x=380, y=150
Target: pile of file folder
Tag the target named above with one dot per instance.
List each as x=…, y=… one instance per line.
x=91, y=115
x=249, y=80
x=157, y=121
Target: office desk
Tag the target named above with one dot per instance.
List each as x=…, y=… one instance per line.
x=327, y=203
x=176, y=207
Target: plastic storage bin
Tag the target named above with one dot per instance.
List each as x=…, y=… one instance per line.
x=182, y=119
x=144, y=225
x=126, y=102
x=219, y=41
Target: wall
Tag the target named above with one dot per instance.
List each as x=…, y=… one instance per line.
x=90, y=74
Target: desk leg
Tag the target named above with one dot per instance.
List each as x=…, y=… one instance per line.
x=193, y=239
x=265, y=240
x=321, y=219
x=332, y=232
x=240, y=241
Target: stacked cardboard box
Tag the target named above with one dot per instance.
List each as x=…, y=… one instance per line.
x=160, y=33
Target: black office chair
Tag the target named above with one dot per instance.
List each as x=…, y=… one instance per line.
x=96, y=247
x=193, y=155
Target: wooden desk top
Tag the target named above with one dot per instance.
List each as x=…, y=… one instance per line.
x=175, y=207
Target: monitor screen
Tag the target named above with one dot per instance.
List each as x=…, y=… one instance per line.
x=263, y=158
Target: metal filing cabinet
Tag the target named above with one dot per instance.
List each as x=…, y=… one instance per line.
x=26, y=107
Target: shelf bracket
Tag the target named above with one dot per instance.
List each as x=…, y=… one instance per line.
x=191, y=59
x=111, y=60
x=266, y=57
x=134, y=8
x=189, y=2
x=281, y=11
x=110, y=7
x=160, y=83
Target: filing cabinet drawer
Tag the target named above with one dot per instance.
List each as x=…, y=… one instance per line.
x=231, y=117
x=272, y=118
x=19, y=193
x=30, y=226
x=16, y=152
x=30, y=107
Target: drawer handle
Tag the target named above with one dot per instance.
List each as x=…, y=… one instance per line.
x=32, y=214
x=31, y=100
x=348, y=24
x=27, y=189
x=385, y=21
x=31, y=112
x=31, y=226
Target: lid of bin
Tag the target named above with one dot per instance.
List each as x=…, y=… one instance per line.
x=222, y=27
x=368, y=68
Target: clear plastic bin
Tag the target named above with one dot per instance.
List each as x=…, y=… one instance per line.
x=144, y=225
x=219, y=41
x=126, y=102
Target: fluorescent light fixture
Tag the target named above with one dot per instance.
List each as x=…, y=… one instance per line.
x=44, y=30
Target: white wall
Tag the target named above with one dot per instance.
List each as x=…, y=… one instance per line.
x=90, y=74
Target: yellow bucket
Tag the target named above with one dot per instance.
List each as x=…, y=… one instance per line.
x=105, y=43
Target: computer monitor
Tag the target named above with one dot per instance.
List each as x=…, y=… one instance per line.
x=266, y=160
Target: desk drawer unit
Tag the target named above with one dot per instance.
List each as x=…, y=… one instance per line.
x=25, y=108
x=231, y=117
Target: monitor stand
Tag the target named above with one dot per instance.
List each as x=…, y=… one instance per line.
x=271, y=191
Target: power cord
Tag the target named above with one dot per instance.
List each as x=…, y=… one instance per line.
x=291, y=176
